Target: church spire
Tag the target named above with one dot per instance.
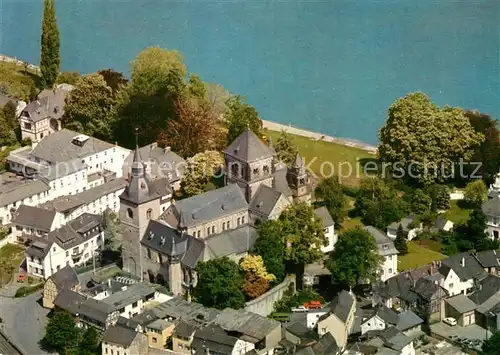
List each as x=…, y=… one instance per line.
x=137, y=165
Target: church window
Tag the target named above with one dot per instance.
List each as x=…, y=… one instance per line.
x=238, y=221
x=302, y=181
x=243, y=220
x=208, y=231
x=149, y=253
x=149, y=213
x=213, y=229
x=130, y=214
x=228, y=224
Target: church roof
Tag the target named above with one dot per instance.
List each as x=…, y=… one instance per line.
x=298, y=162
x=248, y=147
x=264, y=200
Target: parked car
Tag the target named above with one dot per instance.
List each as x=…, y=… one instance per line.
x=299, y=309
x=450, y=321
x=21, y=277
x=313, y=305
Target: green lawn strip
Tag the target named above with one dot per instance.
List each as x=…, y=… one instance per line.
x=417, y=256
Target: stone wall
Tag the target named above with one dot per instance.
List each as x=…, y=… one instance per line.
x=264, y=304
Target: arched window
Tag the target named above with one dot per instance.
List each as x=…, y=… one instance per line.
x=130, y=214
x=149, y=213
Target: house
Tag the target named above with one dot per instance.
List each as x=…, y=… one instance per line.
x=459, y=272
x=326, y=345
x=489, y=260
x=19, y=104
x=159, y=332
x=267, y=204
x=491, y=209
x=426, y=299
x=65, y=278
x=42, y=116
x=462, y=309
x=340, y=319
x=298, y=333
x=71, y=245
x=33, y=221
x=214, y=340
x=442, y=224
x=410, y=224
x=486, y=297
x=131, y=299
x=120, y=340
x=387, y=251
x=160, y=162
x=328, y=228
x=384, y=318
x=392, y=341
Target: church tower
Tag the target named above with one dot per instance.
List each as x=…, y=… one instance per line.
x=298, y=180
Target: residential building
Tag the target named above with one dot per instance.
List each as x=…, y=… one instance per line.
x=328, y=228
x=158, y=332
x=131, y=299
x=28, y=220
x=65, y=278
x=339, y=320
x=326, y=345
x=387, y=251
x=392, y=341
x=411, y=227
x=442, y=224
x=491, y=209
x=73, y=244
x=460, y=272
x=462, y=309
x=384, y=318
x=118, y=340
x=489, y=260
x=426, y=299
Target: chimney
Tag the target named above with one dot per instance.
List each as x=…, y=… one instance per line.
x=463, y=262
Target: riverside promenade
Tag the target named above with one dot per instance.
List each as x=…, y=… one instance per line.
x=273, y=126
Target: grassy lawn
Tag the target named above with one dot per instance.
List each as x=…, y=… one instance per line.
x=326, y=154
x=18, y=82
x=11, y=257
x=417, y=256
x=456, y=214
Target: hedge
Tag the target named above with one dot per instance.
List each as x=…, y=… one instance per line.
x=27, y=290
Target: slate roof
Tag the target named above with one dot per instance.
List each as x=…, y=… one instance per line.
x=65, y=278
x=51, y=173
x=184, y=330
x=280, y=182
x=215, y=339
x=132, y=294
x=166, y=240
x=387, y=314
x=407, y=320
x=34, y=217
x=119, y=335
x=327, y=345
x=75, y=303
x=340, y=306
x=425, y=288
x=384, y=243
x=394, y=339
x=492, y=207
x=324, y=216
x=488, y=258
x=471, y=270
x=232, y=241
x=59, y=147
x=248, y=147
x=461, y=303
x=405, y=222
x=17, y=189
x=488, y=287
x=254, y=327
x=50, y=103
x=210, y=206
x=298, y=329
x=490, y=304
x=264, y=200
x=4, y=100
x=191, y=313
x=440, y=223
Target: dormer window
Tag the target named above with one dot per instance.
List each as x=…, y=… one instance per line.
x=386, y=246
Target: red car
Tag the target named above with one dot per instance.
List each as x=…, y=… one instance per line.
x=313, y=305
x=21, y=277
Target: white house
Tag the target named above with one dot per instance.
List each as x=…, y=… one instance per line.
x=410, y=224
x=387, y=251
x=328, y=228
x=73, y=244
x=460, y=272
x=491, y=209
x=385, y=317
x=130, y=300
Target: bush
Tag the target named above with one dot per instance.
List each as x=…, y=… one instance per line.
x=350, y=191
x=4, y=232
x=27, y=290
x=306, y=295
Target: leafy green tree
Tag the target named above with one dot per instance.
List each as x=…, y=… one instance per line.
x=60, y=332
x=304, y=237
x=426, y=139
x=49, y=62
x=239, y=116
x=330, y=191
x=271, y=247
x=400, y=241
x=285, y=148
x=90, y=342
x=492, y=345
x=440, y=195
x=110, y=225
x=218, y=96
x=90, y=108
x=355, y=258
x=114, y=79
x=8, y=124
x=196, y=87
x=420, y=202
x=157, y=79
x=200, y=172
x=220, y=284
x=68, y=77
x=476, y=192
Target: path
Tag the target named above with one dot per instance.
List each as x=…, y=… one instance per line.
x=273, y=126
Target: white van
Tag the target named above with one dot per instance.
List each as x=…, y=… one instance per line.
x=450, y=321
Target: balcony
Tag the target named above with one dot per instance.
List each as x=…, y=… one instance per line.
x=77, y=256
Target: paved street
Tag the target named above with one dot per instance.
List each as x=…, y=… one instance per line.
x=24, y=322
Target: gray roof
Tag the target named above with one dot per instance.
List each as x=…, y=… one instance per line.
x=162, y=238
x=119, y=335
x=490, y=304
x=254, y=327
x=191, y=313
x=61, y=169
x=232, y=241
x=280, y=182
x=4, y=100
x=194, y=252
x=159, y=324
x=440, y=223
x=65, y=278
x=340, y=306
x=425, y=288
x=264, y=200
x=394, y=339
x=471, y=270
x=327, y=345
x=488, y=258
x=34, y=217
x=492, y=207
x=407, y=320
x=75, y=303
x=324, y=216
x=405, y=222
x=17, y=189
x=184, y=329
x=132, y=294
x=211, y=205
x=461, y=303
x=50, y=103
x=488, y=287
x=387, y=314
x=59, y=147
x=248, y=147
x=298, y=329
x=215, y=339
x=384, y=243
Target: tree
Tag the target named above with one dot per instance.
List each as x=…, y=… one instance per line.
x=110, y=225
x=271, y=247
x=90, y=108
x=476, y=192
x=195, y=128
x=330, y=191
x=60, y=332
x=472, y=235
x=218, y=97
x=197, y=88
x=440, y=195
x=400, y=241
x=256, y=277
x=239, y=116
x=90, y=342
x=114, y=79
x=285, y=148
x=355, y=258
x=303, y=235
x=200, y=171
x=491, y=345
x=220, y=284
x=68, y=77
x=426, y=139
x=49, y=62
x=420, y=202
x=157, y=79
x=8, y=125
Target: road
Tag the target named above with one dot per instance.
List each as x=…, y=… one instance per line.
x=6, y=347
x=24, y=322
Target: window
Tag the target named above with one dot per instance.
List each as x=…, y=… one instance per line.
x=155, y=340
x=243, y=220
x=134, y=304
x=213, y=229
x=238, y=221
x=27, y=125
x=223, y=225
x=86, y=245
x=199, y=234
x=208, y=231
x=130, y=214
x=31, y=198
x=19, y=228
x=58, y=267
x=149, y=253
x=450, y=285
x=228, y=224
x=106, y=350
x=67, y=253
x=149, y=213
x=54, y=249
x=390, y=271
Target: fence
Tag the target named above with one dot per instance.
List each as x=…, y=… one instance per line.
x=264, y=304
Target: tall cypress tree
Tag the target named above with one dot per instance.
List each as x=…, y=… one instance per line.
x=49, y=61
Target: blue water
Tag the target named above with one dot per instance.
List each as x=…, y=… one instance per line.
x=332, y=66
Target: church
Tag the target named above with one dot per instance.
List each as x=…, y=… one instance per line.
x=163, y=239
